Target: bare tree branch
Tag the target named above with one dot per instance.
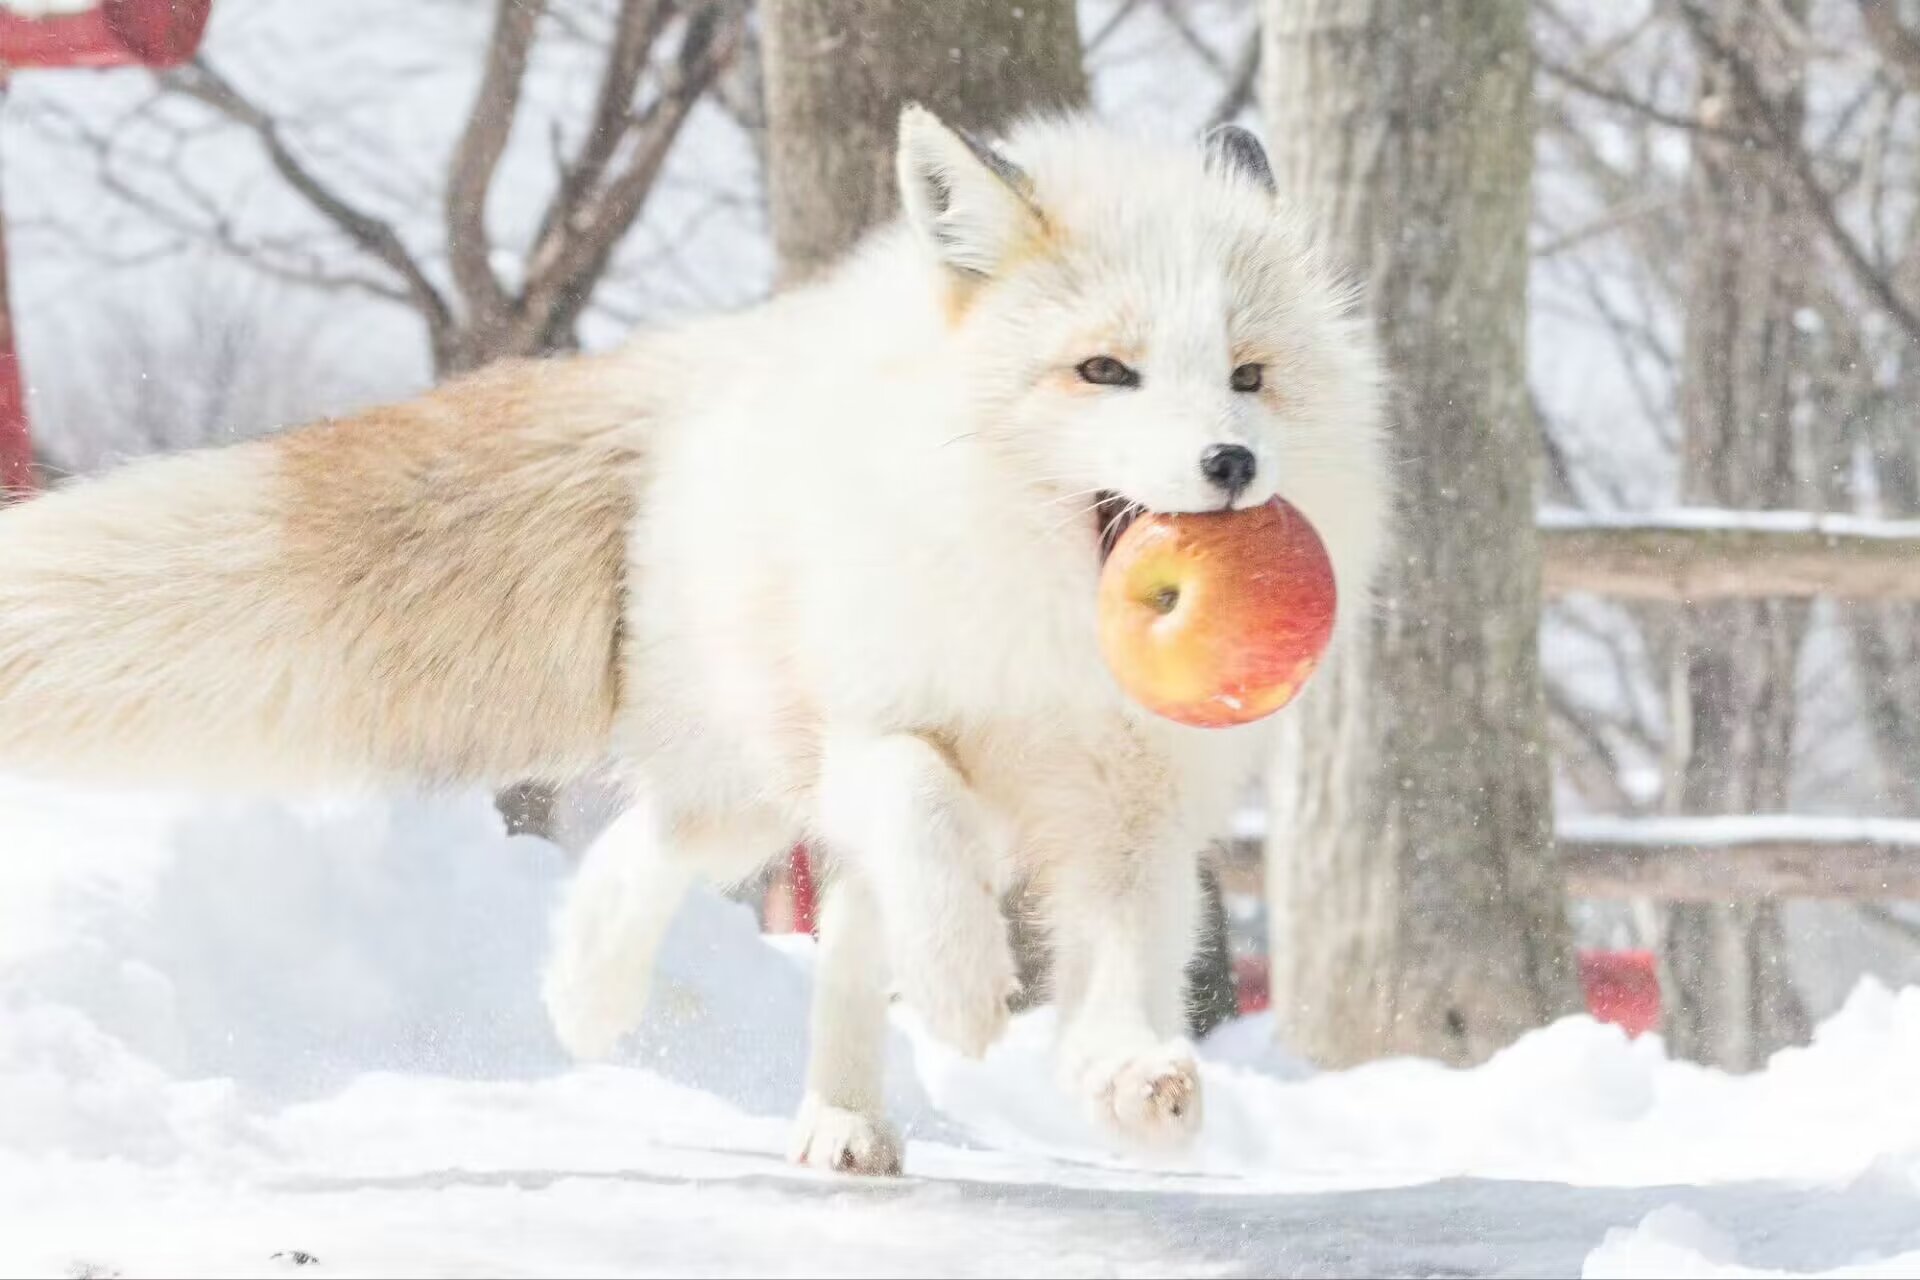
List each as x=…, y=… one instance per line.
x=1639, y=106
x=1240, y=84
x=489, y=123
x=283, y=258
x=1609, y=221
x=740, y=91
x=1798, y=167
x=199, y=80
x=1882, y=915
x=1898, y=47
x=577, y=249
x=1104, y=32
x=1653, y=237
x=636, y=29
x=1639, y=719
x=1176, y=18
x=1585, y=756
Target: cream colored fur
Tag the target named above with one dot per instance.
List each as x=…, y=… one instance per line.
x=822, y=569
x=351, y=601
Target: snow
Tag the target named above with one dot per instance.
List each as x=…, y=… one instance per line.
x=45, y=8
x=1673, y=1241
x=1741, y=829
x=1691, y=519
x=1718, y=830
x=232, y=1029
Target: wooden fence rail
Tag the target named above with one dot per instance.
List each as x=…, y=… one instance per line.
x=1724, y=555
x=1740, y=859
x=1720, y=859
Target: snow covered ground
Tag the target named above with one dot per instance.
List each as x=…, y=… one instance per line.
x=1835, y=524
x=235, y=1033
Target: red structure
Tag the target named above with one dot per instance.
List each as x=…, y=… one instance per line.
x=806, y=904
x=16, y=450
x=1622, y=987
x=111, y=33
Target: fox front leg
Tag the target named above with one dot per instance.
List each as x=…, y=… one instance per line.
x=895, y=809
x=842, y=1124
x=1124, y=928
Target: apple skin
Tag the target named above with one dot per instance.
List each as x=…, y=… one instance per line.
x=1215, y=619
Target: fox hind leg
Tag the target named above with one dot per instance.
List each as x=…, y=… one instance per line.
x=616, y=912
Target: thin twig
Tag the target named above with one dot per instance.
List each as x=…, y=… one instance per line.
x=1798, y=167
x=200, y=81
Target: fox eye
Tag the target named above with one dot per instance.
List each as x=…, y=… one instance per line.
x=1248, y=377
x=1105, y=371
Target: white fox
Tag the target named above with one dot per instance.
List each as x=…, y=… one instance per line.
x=821, y=569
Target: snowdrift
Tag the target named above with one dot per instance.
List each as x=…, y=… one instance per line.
x=235, y=1029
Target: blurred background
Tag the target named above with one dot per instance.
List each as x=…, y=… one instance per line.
x=1643, y=270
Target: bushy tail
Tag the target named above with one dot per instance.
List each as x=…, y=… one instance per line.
x=427, y=590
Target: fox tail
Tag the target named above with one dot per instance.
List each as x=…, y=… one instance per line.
x=429, y=590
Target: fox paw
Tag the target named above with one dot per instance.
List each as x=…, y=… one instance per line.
x=1148, y=1099
x=587, y=1027
x=843, y=1141
x=594, y=994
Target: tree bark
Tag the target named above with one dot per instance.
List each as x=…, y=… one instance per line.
x=1729, y=999
x=1417, y=906
x=838, y=72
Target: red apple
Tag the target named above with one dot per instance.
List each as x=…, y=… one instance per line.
x=1216, y=618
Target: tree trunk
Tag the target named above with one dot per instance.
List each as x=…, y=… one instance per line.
x=1729, y=999
x=838, y=72
x=528, y=808
x=1417, y=907
x=1886, y=638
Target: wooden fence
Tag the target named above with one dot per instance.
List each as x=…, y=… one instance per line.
x=1686, y=556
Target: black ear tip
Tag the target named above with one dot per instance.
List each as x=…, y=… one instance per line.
x=1222, y=134
x=1006, y=170
x=1236, y=150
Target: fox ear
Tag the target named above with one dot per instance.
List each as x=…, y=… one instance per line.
x=1231, y=149
x=964, y=198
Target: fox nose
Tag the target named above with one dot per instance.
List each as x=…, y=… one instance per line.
x=1229, y=468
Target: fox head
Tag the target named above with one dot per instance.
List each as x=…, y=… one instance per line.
x=1149, y=325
